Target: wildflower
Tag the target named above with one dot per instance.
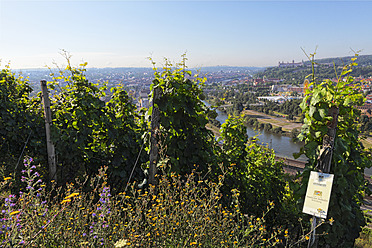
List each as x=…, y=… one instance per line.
x=64, y=201
x=7, y=178
x=14, y=212
x=121, y=243
x=307, y=237
x=71, y=195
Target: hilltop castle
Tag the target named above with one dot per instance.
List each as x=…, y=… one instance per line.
x=293, y=64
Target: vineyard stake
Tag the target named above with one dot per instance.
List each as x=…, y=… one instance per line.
x=48, y=121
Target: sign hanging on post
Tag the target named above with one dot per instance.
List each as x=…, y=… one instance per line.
x=318, y=194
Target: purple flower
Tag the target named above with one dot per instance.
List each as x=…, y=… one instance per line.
x=84, y=234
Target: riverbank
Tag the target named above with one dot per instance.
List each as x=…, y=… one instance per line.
x=287, y=126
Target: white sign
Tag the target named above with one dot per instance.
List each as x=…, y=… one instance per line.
x=318, y=194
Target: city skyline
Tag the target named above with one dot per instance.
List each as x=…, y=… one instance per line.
x=212, y=33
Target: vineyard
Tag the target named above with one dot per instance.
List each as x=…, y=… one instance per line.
x=118, y=177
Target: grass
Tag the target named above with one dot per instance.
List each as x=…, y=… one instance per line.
x=276, y=122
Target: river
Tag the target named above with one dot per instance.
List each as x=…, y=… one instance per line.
x=282, y=145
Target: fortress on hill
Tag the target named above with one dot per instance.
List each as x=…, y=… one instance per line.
x=293, y=64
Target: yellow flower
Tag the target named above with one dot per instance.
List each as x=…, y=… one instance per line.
x=64, y=201
x=193, y=243
x=71, y=195
x=7, y=178
x=307, y=237
x=14, y=212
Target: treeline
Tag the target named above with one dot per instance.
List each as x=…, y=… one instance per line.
x=253, y=122
x=297, y=75
x=365, y=123
x=290, y=108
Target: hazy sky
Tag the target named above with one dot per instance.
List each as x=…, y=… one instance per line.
x=124, y=33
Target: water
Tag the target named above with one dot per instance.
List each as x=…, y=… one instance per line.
x=282, y=145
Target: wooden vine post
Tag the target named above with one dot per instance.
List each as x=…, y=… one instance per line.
x=324, y=163
x=48, y=121
x=154, y=149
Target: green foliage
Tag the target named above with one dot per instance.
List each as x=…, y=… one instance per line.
x=348, y=160
x=89, y=133
x=252, y=168
x=185, y=140
x=290, y=108
x=365, y=123
x=21, y=122
x=180, y=211
x=294, y=134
